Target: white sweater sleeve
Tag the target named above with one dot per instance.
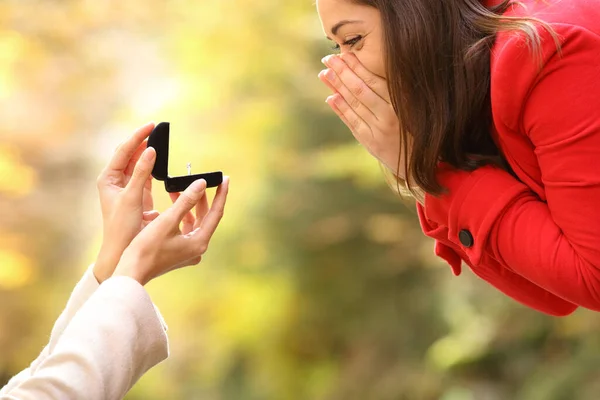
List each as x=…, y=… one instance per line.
x=107, y=337
x=83, y=290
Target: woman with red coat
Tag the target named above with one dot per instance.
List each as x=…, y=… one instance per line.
x=489, y=112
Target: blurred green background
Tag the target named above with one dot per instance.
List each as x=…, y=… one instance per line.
x=318, y=284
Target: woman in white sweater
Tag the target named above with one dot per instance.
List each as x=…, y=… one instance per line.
x=110, y=333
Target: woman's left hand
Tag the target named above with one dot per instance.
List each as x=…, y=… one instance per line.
x=362, y=101
x=125, y=190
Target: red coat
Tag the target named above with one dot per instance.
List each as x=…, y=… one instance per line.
x=537, y=239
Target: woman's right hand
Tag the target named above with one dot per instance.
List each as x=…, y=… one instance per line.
x=362, y=101
x=162, y=247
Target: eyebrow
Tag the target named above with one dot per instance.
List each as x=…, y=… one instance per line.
x=337, y=26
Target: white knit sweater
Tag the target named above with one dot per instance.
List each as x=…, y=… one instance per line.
x=107, y=337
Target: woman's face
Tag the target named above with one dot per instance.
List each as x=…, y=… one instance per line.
x=356, y=28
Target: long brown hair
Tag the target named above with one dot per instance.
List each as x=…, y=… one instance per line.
x=438, y=68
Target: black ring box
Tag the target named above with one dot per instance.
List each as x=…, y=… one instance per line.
x=159, y=140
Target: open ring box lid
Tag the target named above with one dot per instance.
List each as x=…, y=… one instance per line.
x=159, y=140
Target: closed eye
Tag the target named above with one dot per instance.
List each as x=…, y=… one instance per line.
x=351, y=42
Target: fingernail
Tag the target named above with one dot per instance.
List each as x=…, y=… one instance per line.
x=198, y=185
x=149, y=154
x=326, y=59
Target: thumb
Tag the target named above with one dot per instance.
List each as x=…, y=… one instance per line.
x=186, y=201
x=141, y=173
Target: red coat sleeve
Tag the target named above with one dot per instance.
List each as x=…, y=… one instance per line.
x=552, y=247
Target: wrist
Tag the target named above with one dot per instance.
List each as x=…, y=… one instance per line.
x=129, y=266
x=106, y=263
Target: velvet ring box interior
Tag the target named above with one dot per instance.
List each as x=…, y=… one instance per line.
x=159, y=140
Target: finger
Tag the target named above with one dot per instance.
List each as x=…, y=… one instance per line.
x=141, y=173
x=127, y=149
x=352, y=87
x=188, y=223
x=358, y=127
x=188, y=220
x=149, y=216
x=323, y=79
x=148, y=200
x=185, y=202
x=201, y=211
x=357, y=96
x=376, y=83
x=135, y=158
x=214, y=216
x=338, y=113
